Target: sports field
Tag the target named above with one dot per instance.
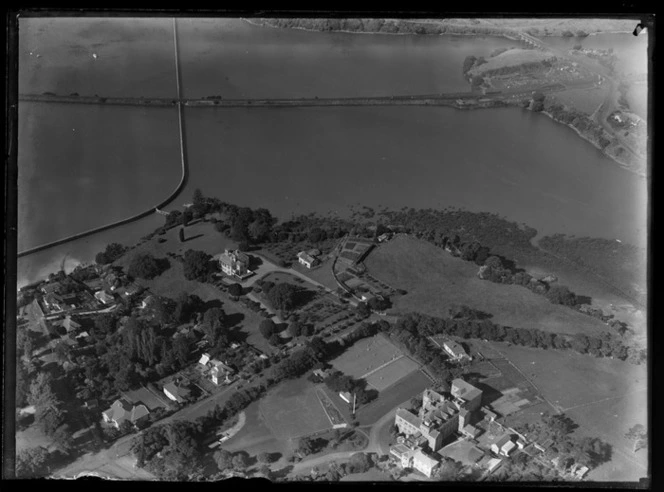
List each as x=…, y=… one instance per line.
x=365, y=356
x=391, y=373
x=293, y=410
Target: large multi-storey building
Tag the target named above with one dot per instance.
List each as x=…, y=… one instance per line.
x=441, y=416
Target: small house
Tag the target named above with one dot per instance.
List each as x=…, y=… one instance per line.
x=205, y=358
x=493, y=464
x=104, y=297
x=498, y=446
x=122, y=411
x=455, y=350
x=176, y=392
x=307, y=260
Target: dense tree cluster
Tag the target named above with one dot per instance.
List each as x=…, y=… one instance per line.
x=414, y=328
x=198, y=265
x=112, y=252
x=569, y=448
x=283, y=296
x=32, y=462
x=144, y=350
x=169, y=451
x=186, y=307
x=144, y=265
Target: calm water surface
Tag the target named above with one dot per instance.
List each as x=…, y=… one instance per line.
x=82, y=166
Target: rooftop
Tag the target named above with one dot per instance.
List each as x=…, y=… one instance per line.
x=409, y=417
x=465, y=390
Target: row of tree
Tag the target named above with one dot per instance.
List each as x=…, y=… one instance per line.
x=414, y=328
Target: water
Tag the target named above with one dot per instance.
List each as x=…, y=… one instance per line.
x=512, y=162
x=82, y=166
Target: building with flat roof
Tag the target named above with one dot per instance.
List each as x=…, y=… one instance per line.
x=467, y=393
x=439, y=417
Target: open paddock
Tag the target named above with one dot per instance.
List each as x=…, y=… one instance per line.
x=365, y=356
x=391, y=373
x=435, y=280
x=293, y=410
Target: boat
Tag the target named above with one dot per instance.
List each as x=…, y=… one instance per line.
x=94, y=55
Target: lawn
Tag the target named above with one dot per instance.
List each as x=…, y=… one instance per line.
x=435, y=280
x=293, y=410
x=393, y=372
x=199, y=236
x=321, y=274
x=365, y=356
x=604, y=397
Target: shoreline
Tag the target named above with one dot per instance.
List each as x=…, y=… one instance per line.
x=623, y=165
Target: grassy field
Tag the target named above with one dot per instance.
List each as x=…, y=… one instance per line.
x=604, y=397
x=434, y=280
x=199, y=236
x=393, y=372
x=365, y=356
x=322, y=274
x=293, y=410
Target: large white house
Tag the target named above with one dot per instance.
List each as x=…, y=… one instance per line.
x=234, y=263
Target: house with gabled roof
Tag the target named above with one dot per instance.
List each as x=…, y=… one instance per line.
x=235, y=263
x=176, y=392
x=122, y=411
x=307, y=260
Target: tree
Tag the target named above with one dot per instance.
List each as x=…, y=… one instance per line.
x=186, y=306
x=235, y=289
x=295, y=329
x=275, y=340
x=360, y=463
x=144, y=265
x=197, y=265
x=30, y=462
x=223, y=459
x=363, y=310
x=267, y=328
x=639, y=435
x=240, y=461
x=283, y=296
x=305, y=446
x=112, y=252
x=199, y=204
x=559, y=294
x=213, y=324
x=379, y=304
